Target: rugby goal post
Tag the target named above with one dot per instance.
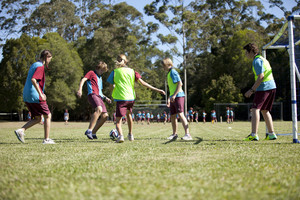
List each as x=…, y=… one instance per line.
x=290, y=45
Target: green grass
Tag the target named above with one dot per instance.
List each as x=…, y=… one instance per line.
x=217, y=164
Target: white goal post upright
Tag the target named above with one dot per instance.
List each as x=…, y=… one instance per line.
x=293, y=67
x=293, y=79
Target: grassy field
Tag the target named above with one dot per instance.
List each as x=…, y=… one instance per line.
x=217, y=164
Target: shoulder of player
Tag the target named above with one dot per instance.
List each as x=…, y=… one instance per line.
x=92, y=73
x=123, y=69
x=37, y=65
x=257, y=61
x=38, y=68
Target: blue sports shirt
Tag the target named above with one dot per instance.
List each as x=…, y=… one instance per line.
x=176, y=78
x=258, y=67
x=30, y=94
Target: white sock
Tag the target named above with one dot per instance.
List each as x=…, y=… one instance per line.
x=253, y=134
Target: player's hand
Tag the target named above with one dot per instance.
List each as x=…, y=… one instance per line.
x=44, y=97
x=79, y=93
x=168, y=103
x=108, y=100
x=248, y=93
x=173, y=98
x=162, y=92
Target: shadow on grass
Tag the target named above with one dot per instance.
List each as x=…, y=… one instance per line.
x=67, y=140
x=173, y=140
x=199, y=140
x=108, y=140
x=239, y=142
x=5, y=143
x=149, y=138
x=33, y=138
x=100, y=141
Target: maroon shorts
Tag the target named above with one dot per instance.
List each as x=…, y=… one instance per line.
x=177, y=106
x=123, y=106
x=96, y=100
x=38, y=109
x=263, y=100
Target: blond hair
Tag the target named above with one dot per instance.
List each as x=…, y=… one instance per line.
x=121, y=60
x=103, y=66
x=167, y=62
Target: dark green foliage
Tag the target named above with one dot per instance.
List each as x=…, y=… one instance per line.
x=64, y=74
x=222, y=90
x=18, y=56
x=55, y=16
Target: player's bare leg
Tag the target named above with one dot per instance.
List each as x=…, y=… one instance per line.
x=94, y=117
x=47, y=125
x=100, y=122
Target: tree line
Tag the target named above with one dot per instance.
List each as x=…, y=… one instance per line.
x=206, y=36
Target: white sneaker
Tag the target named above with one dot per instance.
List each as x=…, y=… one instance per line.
x=48, y=141
x=173, y=137
x=20, y=135
x=187, y=137
x=130, y=137
x=120, y=139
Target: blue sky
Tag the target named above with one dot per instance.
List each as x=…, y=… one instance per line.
x=140, y=4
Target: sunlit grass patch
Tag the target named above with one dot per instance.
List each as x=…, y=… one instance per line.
x=217, y=164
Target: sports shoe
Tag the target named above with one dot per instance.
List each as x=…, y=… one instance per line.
x=120, y=139
x=130, y=137
x=187, y=137
x=89, y=134
x=271, y=137
x=20, y=135
x=251, y=138
x=94, y=136
x=48, y=141
x=173, y=137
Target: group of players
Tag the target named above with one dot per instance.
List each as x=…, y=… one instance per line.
x=142, y=116
x=148, y=117
x=121, y=83
x=229, y=115
x=192, y=116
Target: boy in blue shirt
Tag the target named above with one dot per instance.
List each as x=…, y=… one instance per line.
x=264, y=90
x=96, y=98
x=176, y=100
